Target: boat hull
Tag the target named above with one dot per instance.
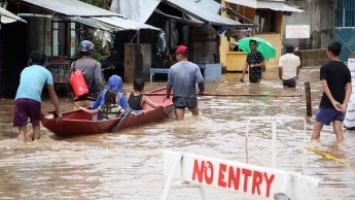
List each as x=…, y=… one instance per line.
x=77, y=122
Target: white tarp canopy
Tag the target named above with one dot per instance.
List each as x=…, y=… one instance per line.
x=203, y=11
x=277, y=5
x=136, y=10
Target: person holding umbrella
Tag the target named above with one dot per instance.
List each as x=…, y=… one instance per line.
x=255, y=60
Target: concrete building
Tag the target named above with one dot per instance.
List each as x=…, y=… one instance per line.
x=320, y=16
x=329, y=20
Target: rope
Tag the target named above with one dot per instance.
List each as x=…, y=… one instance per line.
x=330, y=157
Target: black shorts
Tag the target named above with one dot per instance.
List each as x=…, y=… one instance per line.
x=255, y=75
x=182, y=102
x=290, y=82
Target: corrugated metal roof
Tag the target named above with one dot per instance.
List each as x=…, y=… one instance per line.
x=8, y=14
x=198, y=11
x=277, y=5
x=124, y=24
x=112, y=24
x=72, y=8
x=94, y=23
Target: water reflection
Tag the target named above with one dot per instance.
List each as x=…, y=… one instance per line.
x=129, y=165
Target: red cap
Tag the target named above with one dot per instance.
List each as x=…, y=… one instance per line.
x=181, y=49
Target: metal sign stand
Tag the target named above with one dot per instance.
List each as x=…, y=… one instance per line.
x=286, y=180
x=273, y=120
x=171, y=178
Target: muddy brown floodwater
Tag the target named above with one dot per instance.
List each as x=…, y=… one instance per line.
x=129, y=165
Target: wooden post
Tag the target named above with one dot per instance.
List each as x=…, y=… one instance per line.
x=137, y=61
x=308, y=98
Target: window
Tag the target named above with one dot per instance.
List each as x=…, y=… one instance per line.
x=345, y=13
x=63, y=38
x=267, y=21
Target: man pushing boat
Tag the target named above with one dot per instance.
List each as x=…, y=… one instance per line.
x=182, y=79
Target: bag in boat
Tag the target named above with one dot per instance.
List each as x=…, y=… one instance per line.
x=78, y=83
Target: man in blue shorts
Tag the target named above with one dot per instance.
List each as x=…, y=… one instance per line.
x=336, y=82
x=28, y=96
x=182, y=79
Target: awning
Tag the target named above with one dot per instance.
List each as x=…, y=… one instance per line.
x=136, y=10
x=179, y=19
x=95, y=24
x=201, y=10
x=124, y=24
x=72, y=8
x=277, y=5
x=113, y=24
x=86, y=14
x=8, y=17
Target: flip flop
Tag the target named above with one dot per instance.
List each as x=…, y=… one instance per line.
x=124, y=118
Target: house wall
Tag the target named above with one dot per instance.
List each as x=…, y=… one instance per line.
x=203, y=45
x=319, y=14
x=276, y=41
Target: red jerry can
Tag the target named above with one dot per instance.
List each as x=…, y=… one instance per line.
x=78, y=83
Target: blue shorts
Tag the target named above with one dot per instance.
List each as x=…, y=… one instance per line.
x=327, y=115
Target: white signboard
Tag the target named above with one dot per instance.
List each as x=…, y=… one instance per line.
x=241, y=177
x=351, y=65
x=350, y=112
x=297, y=31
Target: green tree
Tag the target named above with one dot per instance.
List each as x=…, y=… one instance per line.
x=99, y=52
x=105, y=4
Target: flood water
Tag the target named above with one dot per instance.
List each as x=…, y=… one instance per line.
x=129, y=165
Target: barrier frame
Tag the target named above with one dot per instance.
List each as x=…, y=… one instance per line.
x=171, y=179
x=285, y=180
x=273, y=121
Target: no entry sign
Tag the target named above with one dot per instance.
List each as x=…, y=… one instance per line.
x=239, y=177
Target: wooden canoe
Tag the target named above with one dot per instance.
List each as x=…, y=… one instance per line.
x=77, y=122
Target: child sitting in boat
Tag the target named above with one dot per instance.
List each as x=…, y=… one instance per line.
x=111, y=109
x=136, y=99
x=114, y=83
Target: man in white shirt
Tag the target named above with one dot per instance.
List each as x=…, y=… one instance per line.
x=289, y=68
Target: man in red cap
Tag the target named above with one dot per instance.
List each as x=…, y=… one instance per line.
x=182, y=79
